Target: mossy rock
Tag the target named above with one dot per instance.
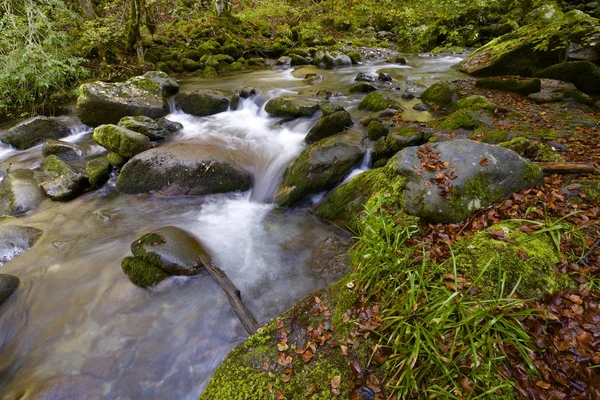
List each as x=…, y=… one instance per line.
x=298, y=60
x=494, y=136
x=202, y=103
x=98, y=171
x=362, y=87
x=477, y=103
x=120, y=140
x=328, y=108
x=292, y=106
x=465, y=119
x=328, y=60
x=320, y=167
x=190, y=65
x=583, y=74
x=441, y=95
x=142, y=273
x=377, y=129
x=509, y=84
x=63, y=150
x=329, y=125
x=398, y=139
x=20, y=192
x=355, y=56
x=376, y=102
x=159, y=129
x=34, y=131
x=526, y=259
x=115, y=160
x=60, y=181
x=532, y=150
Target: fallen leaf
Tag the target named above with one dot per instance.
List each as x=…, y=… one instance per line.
x=483, y=162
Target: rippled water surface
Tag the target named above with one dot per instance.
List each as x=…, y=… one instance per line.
x=78, y=325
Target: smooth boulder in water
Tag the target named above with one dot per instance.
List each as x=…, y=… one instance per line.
x=182, y=169
x=8, y=285
x=154, y=129
x=292, y=106
x=15, y=239
x=106, y=103
x=449, y=181
x=34, y=131
x=20, y=192
x=63, y=150
x=60, y=181
x=121, y=141
x=327, y=60
x=329, y=125
x=320, y=166
x=202, y=103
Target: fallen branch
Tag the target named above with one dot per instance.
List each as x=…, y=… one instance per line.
x=234, y=297
x=568, y=167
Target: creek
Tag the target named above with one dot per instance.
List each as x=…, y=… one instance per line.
x=77, y=321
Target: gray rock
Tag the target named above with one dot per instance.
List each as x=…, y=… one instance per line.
x=284, y=62
x=482, y=174
x=292, y=106
x=320, y=166
x=384, y=77
x=159, y=129
x=182, y=169
x=20, y=192
x=121, y=141
x=106, y=103
x=168, y=85
x=329, y=125
x=60, y=181
x=546, y=96
x=420, y=107
x=202, y=103
x=8, y=284
x=63, y=150
x=172, y=249
x=408, y=96
x=325, y=59
x=362, y=77
x=362, y=87
x=14, y=240
x=34, y=131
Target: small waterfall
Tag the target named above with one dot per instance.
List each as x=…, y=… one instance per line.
x=172, y=105
x=6, y=151
x=365, y=165
x=78, y=129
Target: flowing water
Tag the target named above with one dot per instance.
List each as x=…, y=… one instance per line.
x=77, y=323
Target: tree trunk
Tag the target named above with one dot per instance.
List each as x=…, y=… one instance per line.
x=134, y=17
x=89, y=9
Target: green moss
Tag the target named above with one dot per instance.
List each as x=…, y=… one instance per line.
x=292, y=107
x=53, y=167
x=122, y=141
x=526, y=258
x=329, y=125
x=190, y=65
x=142, y=273
x=583, y=74
x=209, y=72
x=354, y=56
x=98, y=171
x=115, y=160
x=542, y=133
x=461, y=119
x=362, y=87
x=591, y=189
x=494, y=136
x=513, y=85
x=475, y=103
x=376, y=129
x=533, y=174
x=532, y=150
x=441, y=94
x=475, y=194
x=376, y=102
x=148, y=85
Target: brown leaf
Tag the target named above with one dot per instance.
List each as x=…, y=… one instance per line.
x=344, y=350
x=307, y=356
x=282, y=346
x=335, y=382
x=543, y=385
x=483, y=162
x=279, y=324
x=286, y=378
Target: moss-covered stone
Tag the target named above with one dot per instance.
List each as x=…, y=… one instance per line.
x=115, y=160
x=190, y=65
x=34, y=131
x=511, y=84
x=465, y=119
x=142, y=273
x=362, y=87
x=376, y=102
x=376, y=130
x=292, y=106
x=120, y=140
x=98, y=171
x=440, y=94
x=526, y=259
x=202, y=103
x=583, y=74
x=329, y=125
x=398, y=139
x=60, y=181
x=354, y=56
x=476, y=103
x=532, y=150
x=494, y=136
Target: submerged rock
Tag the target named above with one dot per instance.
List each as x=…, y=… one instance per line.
x=476, y=174
x=159, y=129
x=122, y=141
x=60, y=181
x=63, y=150
x=20, y=192
x=202, y=103
x=292, y=106
x=182, y=169
x=34, y=131
x=8, y=285
x=106, y=103
x=320, y=167
x=16, y=239
x=329, y=125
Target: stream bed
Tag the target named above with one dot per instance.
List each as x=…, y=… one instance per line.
x=77, y=323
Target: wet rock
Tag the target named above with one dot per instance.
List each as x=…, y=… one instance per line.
x=16, y=239
x=546, y=96
x=482, y=174
x=181, y=169
x=408, y=96
x=159, y=129
x=299, y=60
x=202, y=103
x=172, y=249
x=63, y=150
x=115, y=160
x=384, y=77
x=533, y=150
x=122, y=141
x=330, y=259
x=311, y=79
x=8, y=285
x=420, y=107
x=320, y=167
x=327, y=60
x=330, y=108
x=284, y=62
x=363, y=77
x=60, y=181
x=362, y=87
x=106, y=103
x=496, y=136
x=20, y=192
x=511, y=84
x=583, y=74
x=34, y=131
x=377, y=129
x=329, y=125
x=387, y=146
x=376, y=102
x=292, y=106
x=441, y=94
x=98, y=171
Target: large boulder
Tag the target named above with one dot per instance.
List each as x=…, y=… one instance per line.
x=16, y=239
x=517, y=85
x=375, y=101
x=441, y=95
x=325, y=59
x=202, y=103
x=8, y=285
x=292, y=106
x=329, y=125
x=164, y=252
x=583, y=74
x=182, y=169
x=106, y=103
x=155, y=129
x=320, y=166
x=20, y=192
x=120, y=140
x=60, y=181
x=34, y=131
x=62, y=150
x=449, y=181
x=531, y=48
x=98, y=171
